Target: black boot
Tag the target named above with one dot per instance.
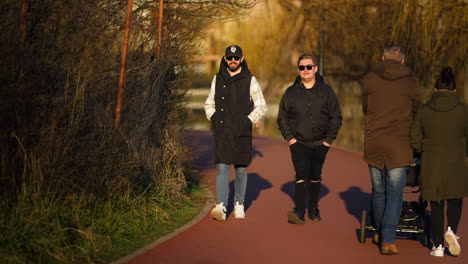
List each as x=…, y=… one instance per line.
x=314, y=214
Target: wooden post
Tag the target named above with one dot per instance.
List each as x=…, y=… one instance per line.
x=123, y=62
x=160, y=21
x=321, y=44
x=23, y=25
x=22, y=46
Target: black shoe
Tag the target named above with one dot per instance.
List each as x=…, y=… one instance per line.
x=314, y=214
x=296, y=218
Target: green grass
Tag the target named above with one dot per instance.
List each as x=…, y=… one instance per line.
x=190, y=207
x=89, y=229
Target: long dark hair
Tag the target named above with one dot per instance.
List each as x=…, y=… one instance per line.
x=446, y=80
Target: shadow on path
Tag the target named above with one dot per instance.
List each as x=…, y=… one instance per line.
x=356, y=200
x=288, y=188
x=255, y=184
x=256, y=152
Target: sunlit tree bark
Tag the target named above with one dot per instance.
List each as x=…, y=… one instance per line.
x=123, y=62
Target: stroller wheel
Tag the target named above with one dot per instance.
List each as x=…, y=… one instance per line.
x=362, y=233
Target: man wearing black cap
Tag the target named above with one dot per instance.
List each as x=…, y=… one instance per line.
x=234, y=103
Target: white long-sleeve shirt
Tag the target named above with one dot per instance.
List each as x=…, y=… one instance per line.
x=256, y=95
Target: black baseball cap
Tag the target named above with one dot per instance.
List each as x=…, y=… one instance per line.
x=233, y=50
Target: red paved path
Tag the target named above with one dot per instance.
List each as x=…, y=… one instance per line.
x=266, y=237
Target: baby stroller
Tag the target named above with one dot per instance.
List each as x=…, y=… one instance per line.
x=413, y=217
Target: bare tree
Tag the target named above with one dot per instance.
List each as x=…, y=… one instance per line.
x=355, y=32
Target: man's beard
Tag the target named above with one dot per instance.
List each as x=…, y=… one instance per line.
x=233, y=67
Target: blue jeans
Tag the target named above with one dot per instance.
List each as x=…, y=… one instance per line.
x=222, y=183
x=387, y=200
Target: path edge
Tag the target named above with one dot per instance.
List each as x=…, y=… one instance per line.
x=195, y=220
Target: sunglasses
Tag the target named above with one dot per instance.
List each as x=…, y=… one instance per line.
x=308, y=67
x=231, y=57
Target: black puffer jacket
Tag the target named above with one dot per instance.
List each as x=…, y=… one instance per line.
x=310, y=115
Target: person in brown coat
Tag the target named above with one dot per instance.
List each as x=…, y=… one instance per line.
x=390, y=98
x=440, y=133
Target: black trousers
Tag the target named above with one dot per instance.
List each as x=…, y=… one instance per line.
x=454, y=210
x=308, y=163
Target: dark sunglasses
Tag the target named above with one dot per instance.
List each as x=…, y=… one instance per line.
x=235, y=58
x=308, y=67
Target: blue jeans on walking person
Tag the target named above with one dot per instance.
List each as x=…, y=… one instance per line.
x=222, y=183
x=387, y=200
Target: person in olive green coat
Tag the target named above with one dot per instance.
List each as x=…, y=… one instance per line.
x=440, y=132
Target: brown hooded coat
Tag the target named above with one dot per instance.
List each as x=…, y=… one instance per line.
x=390, y=98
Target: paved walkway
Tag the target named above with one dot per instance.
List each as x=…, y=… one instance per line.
x=266, y=237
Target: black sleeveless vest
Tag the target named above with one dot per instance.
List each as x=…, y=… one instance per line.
x=231, y=126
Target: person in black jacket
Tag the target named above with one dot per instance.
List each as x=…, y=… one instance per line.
x=309, y=118
x=234, y=103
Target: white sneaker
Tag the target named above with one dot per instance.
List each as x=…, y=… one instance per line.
x=219, y=212
x=437, y=251
x=239, y=210
x=452, y=241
